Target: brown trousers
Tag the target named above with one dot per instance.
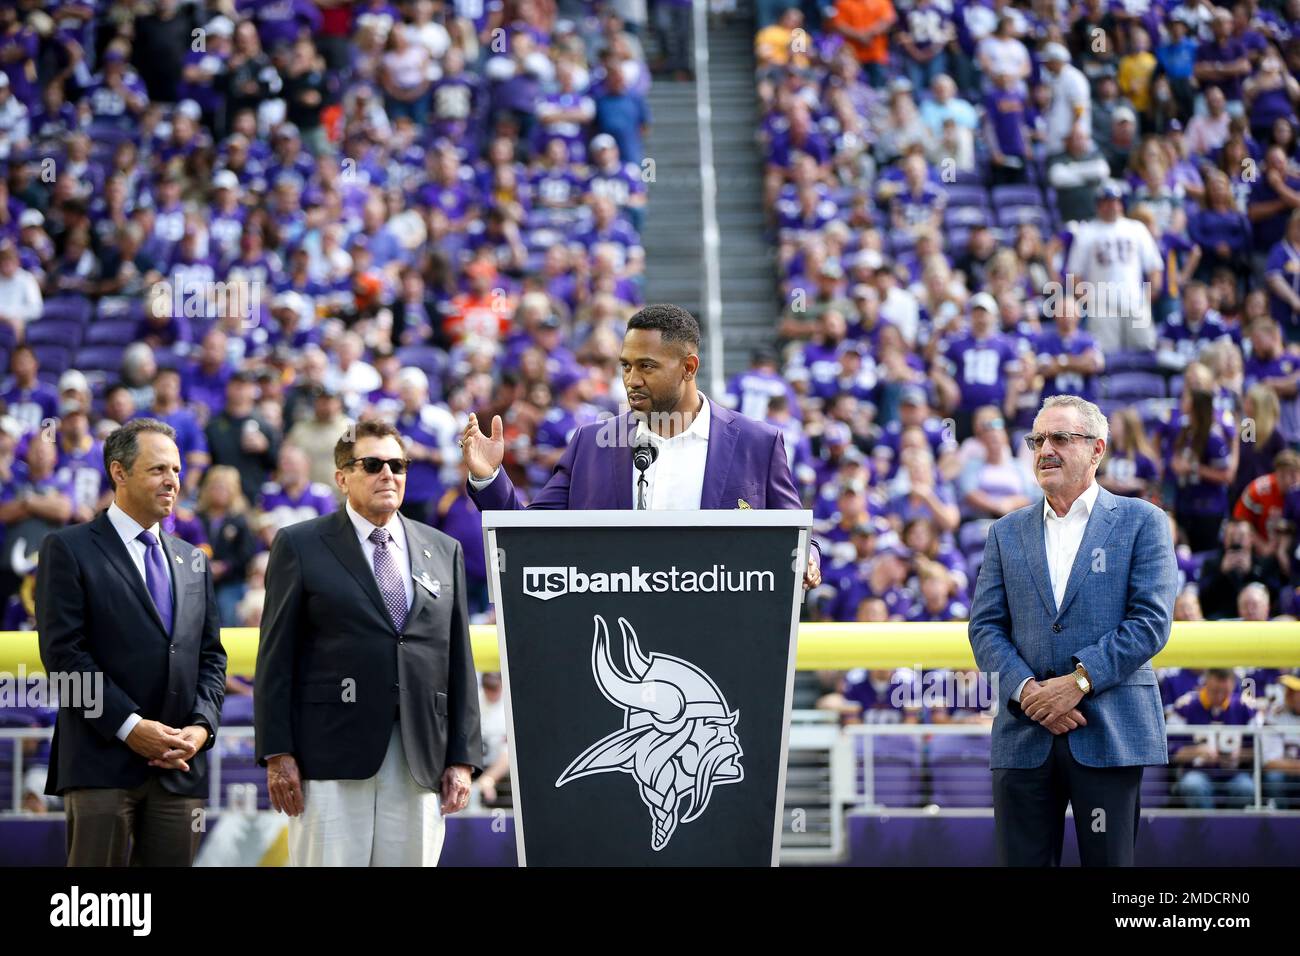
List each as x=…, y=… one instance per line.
x=144, y=826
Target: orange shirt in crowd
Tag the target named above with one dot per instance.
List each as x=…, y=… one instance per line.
x=863, y=15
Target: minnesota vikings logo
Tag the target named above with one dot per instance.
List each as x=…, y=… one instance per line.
x=678, y=739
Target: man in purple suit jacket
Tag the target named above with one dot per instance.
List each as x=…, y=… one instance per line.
x=705, y=456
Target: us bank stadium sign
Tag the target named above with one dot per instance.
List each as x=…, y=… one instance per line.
x=547, y=583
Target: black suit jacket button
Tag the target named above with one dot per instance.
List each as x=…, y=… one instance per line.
x=1056, y=629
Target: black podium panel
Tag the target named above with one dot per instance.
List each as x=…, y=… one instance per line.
x=647, y=672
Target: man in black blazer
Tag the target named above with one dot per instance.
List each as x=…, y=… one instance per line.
x=132, y=606
x=365, y=701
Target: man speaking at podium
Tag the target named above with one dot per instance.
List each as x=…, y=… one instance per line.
x=676, y=450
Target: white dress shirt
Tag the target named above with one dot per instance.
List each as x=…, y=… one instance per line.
x=675, y=481
x=397, y=540
x=128, y=530
x=1062, y=536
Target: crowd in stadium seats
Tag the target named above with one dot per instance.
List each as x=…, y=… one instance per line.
x=977, y=205
x=258, y=221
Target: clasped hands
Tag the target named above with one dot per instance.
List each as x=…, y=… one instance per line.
x=1053, y=703
x=166, y=747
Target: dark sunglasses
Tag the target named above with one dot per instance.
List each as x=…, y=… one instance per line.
x=374, y=466
x=1058, y=439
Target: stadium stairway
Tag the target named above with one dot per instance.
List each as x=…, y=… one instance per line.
x=674, y=223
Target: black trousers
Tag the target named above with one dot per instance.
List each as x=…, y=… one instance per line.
x=144, y=826
x=1029, y=811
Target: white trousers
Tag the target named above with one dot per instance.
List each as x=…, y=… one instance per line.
x=384, y=820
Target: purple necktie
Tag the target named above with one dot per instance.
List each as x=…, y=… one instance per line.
x=390, y=581
x=155, y=576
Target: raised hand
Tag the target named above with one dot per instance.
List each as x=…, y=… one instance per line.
x=483, y=453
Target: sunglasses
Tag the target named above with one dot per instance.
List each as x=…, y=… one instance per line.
x=1058, y=439
x=374, y=466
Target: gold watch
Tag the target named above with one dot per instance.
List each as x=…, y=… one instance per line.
x=1081, y=678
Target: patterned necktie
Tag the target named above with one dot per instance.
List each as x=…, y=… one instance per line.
x=155, y=576
x=390, y=581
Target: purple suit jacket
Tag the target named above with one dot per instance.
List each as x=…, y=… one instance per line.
x=746, y=460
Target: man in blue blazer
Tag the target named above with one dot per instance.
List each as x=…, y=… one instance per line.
x=1073, y=599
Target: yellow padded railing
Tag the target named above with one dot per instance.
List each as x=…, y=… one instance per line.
x=842, y=646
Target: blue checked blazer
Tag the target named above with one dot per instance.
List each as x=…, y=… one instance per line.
x=1115, y=617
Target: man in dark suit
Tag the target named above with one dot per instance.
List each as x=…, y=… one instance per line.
x=365, y=703
x=133, y=607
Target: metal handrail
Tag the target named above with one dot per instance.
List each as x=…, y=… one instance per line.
x=866, y=796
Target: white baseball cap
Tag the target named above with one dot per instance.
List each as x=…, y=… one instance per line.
x=982, y=300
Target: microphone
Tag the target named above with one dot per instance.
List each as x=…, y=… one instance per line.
x=643, y=456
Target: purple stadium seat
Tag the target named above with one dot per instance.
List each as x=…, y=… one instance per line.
x=71, y=308
x=1011, y=216
x=54, y=332
x=104, y=358
x=967, y=195
x=110, y=332
x=431, y=359
x=53, y=358
x=121, y=307
x=1139, y=361
x=897, y=763
x=1022, y=195
x=1133, y=385
x=967, y=217
x=959, y=771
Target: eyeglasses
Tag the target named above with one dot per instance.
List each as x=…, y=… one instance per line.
x=1059, y=439
x=374, y=466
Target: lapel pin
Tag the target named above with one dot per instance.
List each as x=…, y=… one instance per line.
x=178, y=559
x=426, y=554
x=743, y=505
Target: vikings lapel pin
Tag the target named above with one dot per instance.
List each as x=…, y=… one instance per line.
x=743, y=505
x=178, y=559
x=426, y=554
x=432, y=585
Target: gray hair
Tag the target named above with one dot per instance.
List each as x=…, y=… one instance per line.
x=123, y=444
x=1092, y=416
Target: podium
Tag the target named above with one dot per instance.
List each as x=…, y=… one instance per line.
x=647, y=659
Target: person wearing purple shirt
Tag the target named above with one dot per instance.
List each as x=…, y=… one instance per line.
x=1192, y=324
x=980, y=362
x=280, y=21
x=1273, y=199
x=1213, y=771
x=19, y=46
x=456, y=515
x=752, y=391
x=117, y=96
x=454, y=101
x=1199, y=474
x=915, y=200
x=884, y=696
x=1006, y=129
x=281, y=505
x=205, y=378
x=1222, y=61
x=614, y=179
x=1067, y=357
x=554, y=432
x=1282, y=279
x=27, y=399
x=427, y=431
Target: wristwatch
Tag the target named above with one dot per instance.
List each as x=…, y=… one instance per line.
x=1081, y=678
